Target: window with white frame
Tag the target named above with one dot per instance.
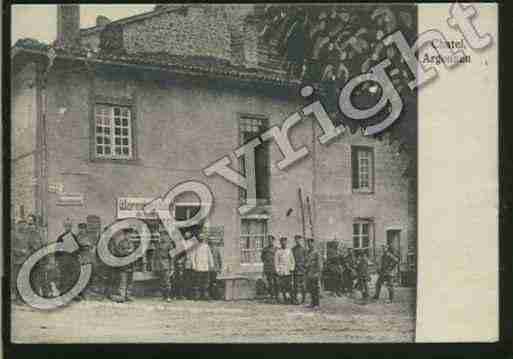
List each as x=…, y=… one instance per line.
x=362, y=159
x=113, y=132
x=252, y=239
x=362, y=237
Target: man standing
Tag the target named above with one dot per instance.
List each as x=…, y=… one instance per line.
x=122, y=247
x=389, y=261
x=67, y=263
x=284, y=262
x=362, y=272
x=313, y=272
x=179, y=277
x=20, y=252
x=86, y=254
x=299, y=253
x=218, y=266
x=349, y=272
x=163, y=263
x=188, y=275
x=35, y=242
x=202, y=263
x=267, y=257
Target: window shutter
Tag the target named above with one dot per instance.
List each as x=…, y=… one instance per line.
x=354, y=167
x=262, y=171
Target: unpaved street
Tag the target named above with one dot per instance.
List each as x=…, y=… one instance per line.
x=151, y=320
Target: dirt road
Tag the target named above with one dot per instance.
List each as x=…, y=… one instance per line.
x=151, y=320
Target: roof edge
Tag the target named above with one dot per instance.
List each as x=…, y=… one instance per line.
x=178, y=69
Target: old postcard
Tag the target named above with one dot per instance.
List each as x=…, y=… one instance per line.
x=253, y=173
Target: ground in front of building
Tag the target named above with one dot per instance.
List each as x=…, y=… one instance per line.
x=340, y=319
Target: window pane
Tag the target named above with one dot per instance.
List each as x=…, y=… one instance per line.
x=110, y=118
x=365, y=242
x=251, y=241
x=365, y=228
x=356, y=228
x=254, y=227
x=244, y=227
x=356, y=242
x=99, y=150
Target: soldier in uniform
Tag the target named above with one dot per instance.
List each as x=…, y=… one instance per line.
x=313, y=272
x=202, y=264
x=299, y=253
x=389, y=261
x=349, y=272
x=285, y=264
x=178, y=278
x=188, y=276
x=362, y=272
x=86, y=254
x=122, y=247
x=267, y=257
x=20, y=252
x=334, y=274
x=67, y=263
x=163, y=263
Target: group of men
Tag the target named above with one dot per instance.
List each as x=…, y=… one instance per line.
x=191, y=274
x=292, y=272
x=348, y=271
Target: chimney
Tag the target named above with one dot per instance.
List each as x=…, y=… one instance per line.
x=68, y=25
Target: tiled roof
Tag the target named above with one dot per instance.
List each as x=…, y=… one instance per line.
x=164, y=61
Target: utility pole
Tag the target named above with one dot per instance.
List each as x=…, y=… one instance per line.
x=301, y=207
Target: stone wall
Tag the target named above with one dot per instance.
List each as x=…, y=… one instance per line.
x=202, y=31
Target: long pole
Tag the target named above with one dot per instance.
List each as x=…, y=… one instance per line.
x=301, y=207
x=310, y=220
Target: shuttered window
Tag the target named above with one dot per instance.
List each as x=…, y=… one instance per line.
x=250, y=128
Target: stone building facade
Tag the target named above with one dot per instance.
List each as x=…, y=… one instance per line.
x=183, y=87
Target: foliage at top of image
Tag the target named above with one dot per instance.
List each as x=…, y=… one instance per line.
x=330, y=44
